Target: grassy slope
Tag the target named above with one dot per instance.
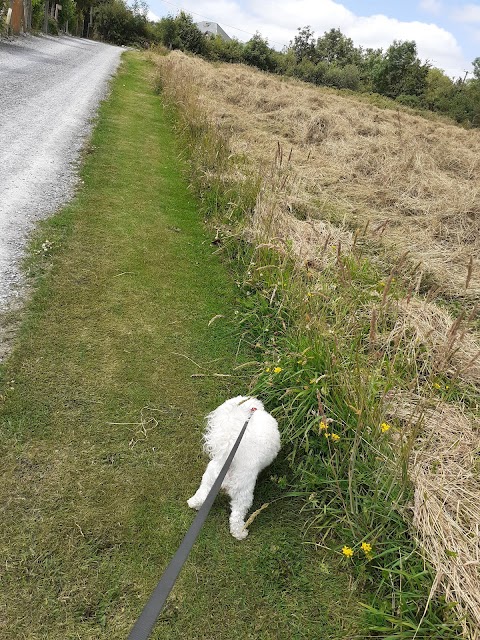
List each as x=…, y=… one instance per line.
x=92, y=510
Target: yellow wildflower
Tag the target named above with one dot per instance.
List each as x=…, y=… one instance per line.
x=437, y=386
x=385, y=427
x=366, y=547
x=277, y=369
x=322, y=426
x=326, y=434
x=335, y=437
x=347, y=551
x=267, y=369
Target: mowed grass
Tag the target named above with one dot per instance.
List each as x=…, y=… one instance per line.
x=100, y=424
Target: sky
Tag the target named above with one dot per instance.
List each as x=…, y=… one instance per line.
x=447, y=33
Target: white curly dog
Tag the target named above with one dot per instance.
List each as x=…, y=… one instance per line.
x=258, y=448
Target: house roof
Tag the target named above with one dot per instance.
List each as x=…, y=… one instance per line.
x=213, y=28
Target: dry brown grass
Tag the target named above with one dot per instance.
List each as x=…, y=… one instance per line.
x=312, y=243
x=447, y=346
x=444, y=468
x=420, y=177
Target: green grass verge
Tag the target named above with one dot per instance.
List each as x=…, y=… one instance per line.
x=100, y=423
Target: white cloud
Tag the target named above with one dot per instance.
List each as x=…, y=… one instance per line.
x=277, y=20
x=467, y=13
x=431, y=6
x=152, y=16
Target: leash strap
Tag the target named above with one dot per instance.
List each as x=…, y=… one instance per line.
x=142, y=629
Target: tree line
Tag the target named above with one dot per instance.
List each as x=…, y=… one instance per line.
x=331, y=60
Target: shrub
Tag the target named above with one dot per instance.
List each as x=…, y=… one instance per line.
x=414, y=102
x=257, y=53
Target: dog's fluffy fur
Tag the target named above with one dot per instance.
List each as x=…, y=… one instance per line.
x=258, y=448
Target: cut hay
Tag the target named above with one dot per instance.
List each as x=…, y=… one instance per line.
x=444, y=468
x=451, y=348
x=313, y=243
x=418, y=176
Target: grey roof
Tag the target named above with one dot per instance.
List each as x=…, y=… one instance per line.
x=213, y=28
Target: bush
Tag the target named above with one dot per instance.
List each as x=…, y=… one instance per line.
x=221, y=50
x=116, y=23
x=414, y=102
x=52, y=26
x=347, y=77
x=257, y=53
x=38, y=13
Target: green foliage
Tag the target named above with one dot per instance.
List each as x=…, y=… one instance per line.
x=189, y=35
x=218, y=49
x=166, y=31
x=463, y=102
x=115, y=22
x=414, y=102
x=52, y=26
x=400, y=71
x=258, y=54
x=303, y=45
x=38, y=11
x=438, y=87
x=335, y=48
x=311, y=72
x=347, y=77
x=181, y=33
x=68, y=13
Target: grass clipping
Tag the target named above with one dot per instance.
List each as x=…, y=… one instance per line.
x=450, y=347
x=415, y=178
x=443, y=467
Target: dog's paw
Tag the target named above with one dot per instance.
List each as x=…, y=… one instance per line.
x=240, y=534
x=194, y=503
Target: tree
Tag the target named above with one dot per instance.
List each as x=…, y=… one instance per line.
x=303, y=45
x=181, y=33
x=189, y=35
x=167, y=33
x=115, y=22
x=438, y=88
x=257, y=53
x=225, y=50
x=476, y=68
x=335, y=48
x=401, y=72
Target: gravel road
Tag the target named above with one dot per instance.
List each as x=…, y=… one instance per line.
x=49, y=90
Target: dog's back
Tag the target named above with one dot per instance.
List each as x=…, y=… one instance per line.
x=261, y=438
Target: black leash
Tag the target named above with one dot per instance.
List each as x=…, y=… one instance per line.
x=142, y=629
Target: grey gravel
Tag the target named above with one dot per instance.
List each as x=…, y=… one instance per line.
x=50, y=89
